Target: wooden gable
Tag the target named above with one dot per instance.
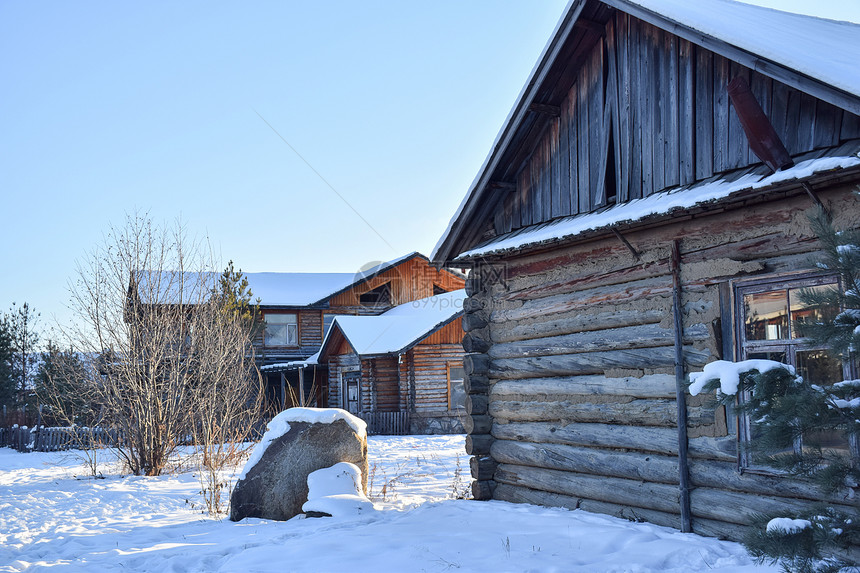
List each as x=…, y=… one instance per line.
x=413, y=279
x=648, y=111
x=619, y=109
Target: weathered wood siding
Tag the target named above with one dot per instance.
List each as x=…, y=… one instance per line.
x=649, y=111
x=573, y=399
x=411, y=280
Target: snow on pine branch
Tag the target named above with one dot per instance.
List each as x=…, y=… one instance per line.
x=728, y=374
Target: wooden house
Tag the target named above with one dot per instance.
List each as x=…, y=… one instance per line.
x=298, y=309
x=402, y=370
x=644, y=211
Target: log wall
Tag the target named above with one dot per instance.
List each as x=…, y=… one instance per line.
x=571, y=372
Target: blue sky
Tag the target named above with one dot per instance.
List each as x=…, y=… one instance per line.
x=110, y=108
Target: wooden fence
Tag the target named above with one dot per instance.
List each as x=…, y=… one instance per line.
x=54, y=439
x=386, y=423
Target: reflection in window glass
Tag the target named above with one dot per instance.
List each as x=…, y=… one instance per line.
x=803, y=314
x=281, y=330
x=456, y=387
x=766, y=315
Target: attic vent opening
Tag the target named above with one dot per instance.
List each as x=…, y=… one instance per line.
x=380, y=296
x=610, y=180
x=438, y=290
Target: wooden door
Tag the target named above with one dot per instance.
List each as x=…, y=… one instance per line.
x=351, y=391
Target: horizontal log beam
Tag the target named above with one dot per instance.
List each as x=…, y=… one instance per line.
x=518, y=494
x=658, y=413
x=565, y=387
x=479, y=445
x=638, y=336
x=482, y=467
x=709, y=503
x=649, y=439
x=571, y=322
x=595, y=362
x=477, y=404
x=478, y=424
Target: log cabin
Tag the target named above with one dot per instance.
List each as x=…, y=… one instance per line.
x=296, y=310
x=402, y=370
x=644, y=211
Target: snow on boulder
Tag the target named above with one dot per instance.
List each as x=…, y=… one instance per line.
x=336, y=492
x=297, y=442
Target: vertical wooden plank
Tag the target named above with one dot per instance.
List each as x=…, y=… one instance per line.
x=555, y=169
x=704, y=113
x=673, y=120
x=546, y=174
x=525, y=195
x=686, y=114
x=564, y=158
x=572, y=141
x=596, y=131
x=612, y=106
x=850, y=126
x=778, y=110
x=582, y=142
x=516, y=220
x=792, y=139
x=721, y=114
x=760, y=86
x=661, y=87
x=738, y=144
x=535, y=194
x=499, y=219
x=625, y=141
x=509, y=211
x=806, y=123
x=826, y=125
x=647, y=84
x=636, y=96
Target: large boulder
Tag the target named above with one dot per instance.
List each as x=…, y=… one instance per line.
x=298, y=441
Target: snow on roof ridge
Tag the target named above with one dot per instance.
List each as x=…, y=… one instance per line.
x=657, y=204
x=398, y=328
x=289, y=288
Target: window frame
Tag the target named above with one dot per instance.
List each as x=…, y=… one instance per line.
x=287, y=344
x=789, y=346
x=451, y=406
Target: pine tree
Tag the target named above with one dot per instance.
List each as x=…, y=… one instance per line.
x=57, y=377
x=235, y=295
x=787, y=409
x=21, y=322
x=7, y=382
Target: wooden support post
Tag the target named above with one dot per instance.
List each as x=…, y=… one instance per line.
x=283, y=392
x=680, y=397
x=302, y=387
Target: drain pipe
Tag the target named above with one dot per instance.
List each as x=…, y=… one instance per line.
x=680, y=392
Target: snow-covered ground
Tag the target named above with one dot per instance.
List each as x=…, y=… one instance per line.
x=53, y=518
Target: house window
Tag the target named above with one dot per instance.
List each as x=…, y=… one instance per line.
x=282, y=330
x=437, y=290
x=771, y=325
x=380, y=296
x=456, y=386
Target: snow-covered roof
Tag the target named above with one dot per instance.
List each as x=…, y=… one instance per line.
x=661, y=204
x=827, y=50
x=311, y=360
x=780, y=44
x=273, y=289
x=401, y=327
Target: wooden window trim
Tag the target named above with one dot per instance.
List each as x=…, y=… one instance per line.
x=298, y=316
x=448, y=366
x=789, y=346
